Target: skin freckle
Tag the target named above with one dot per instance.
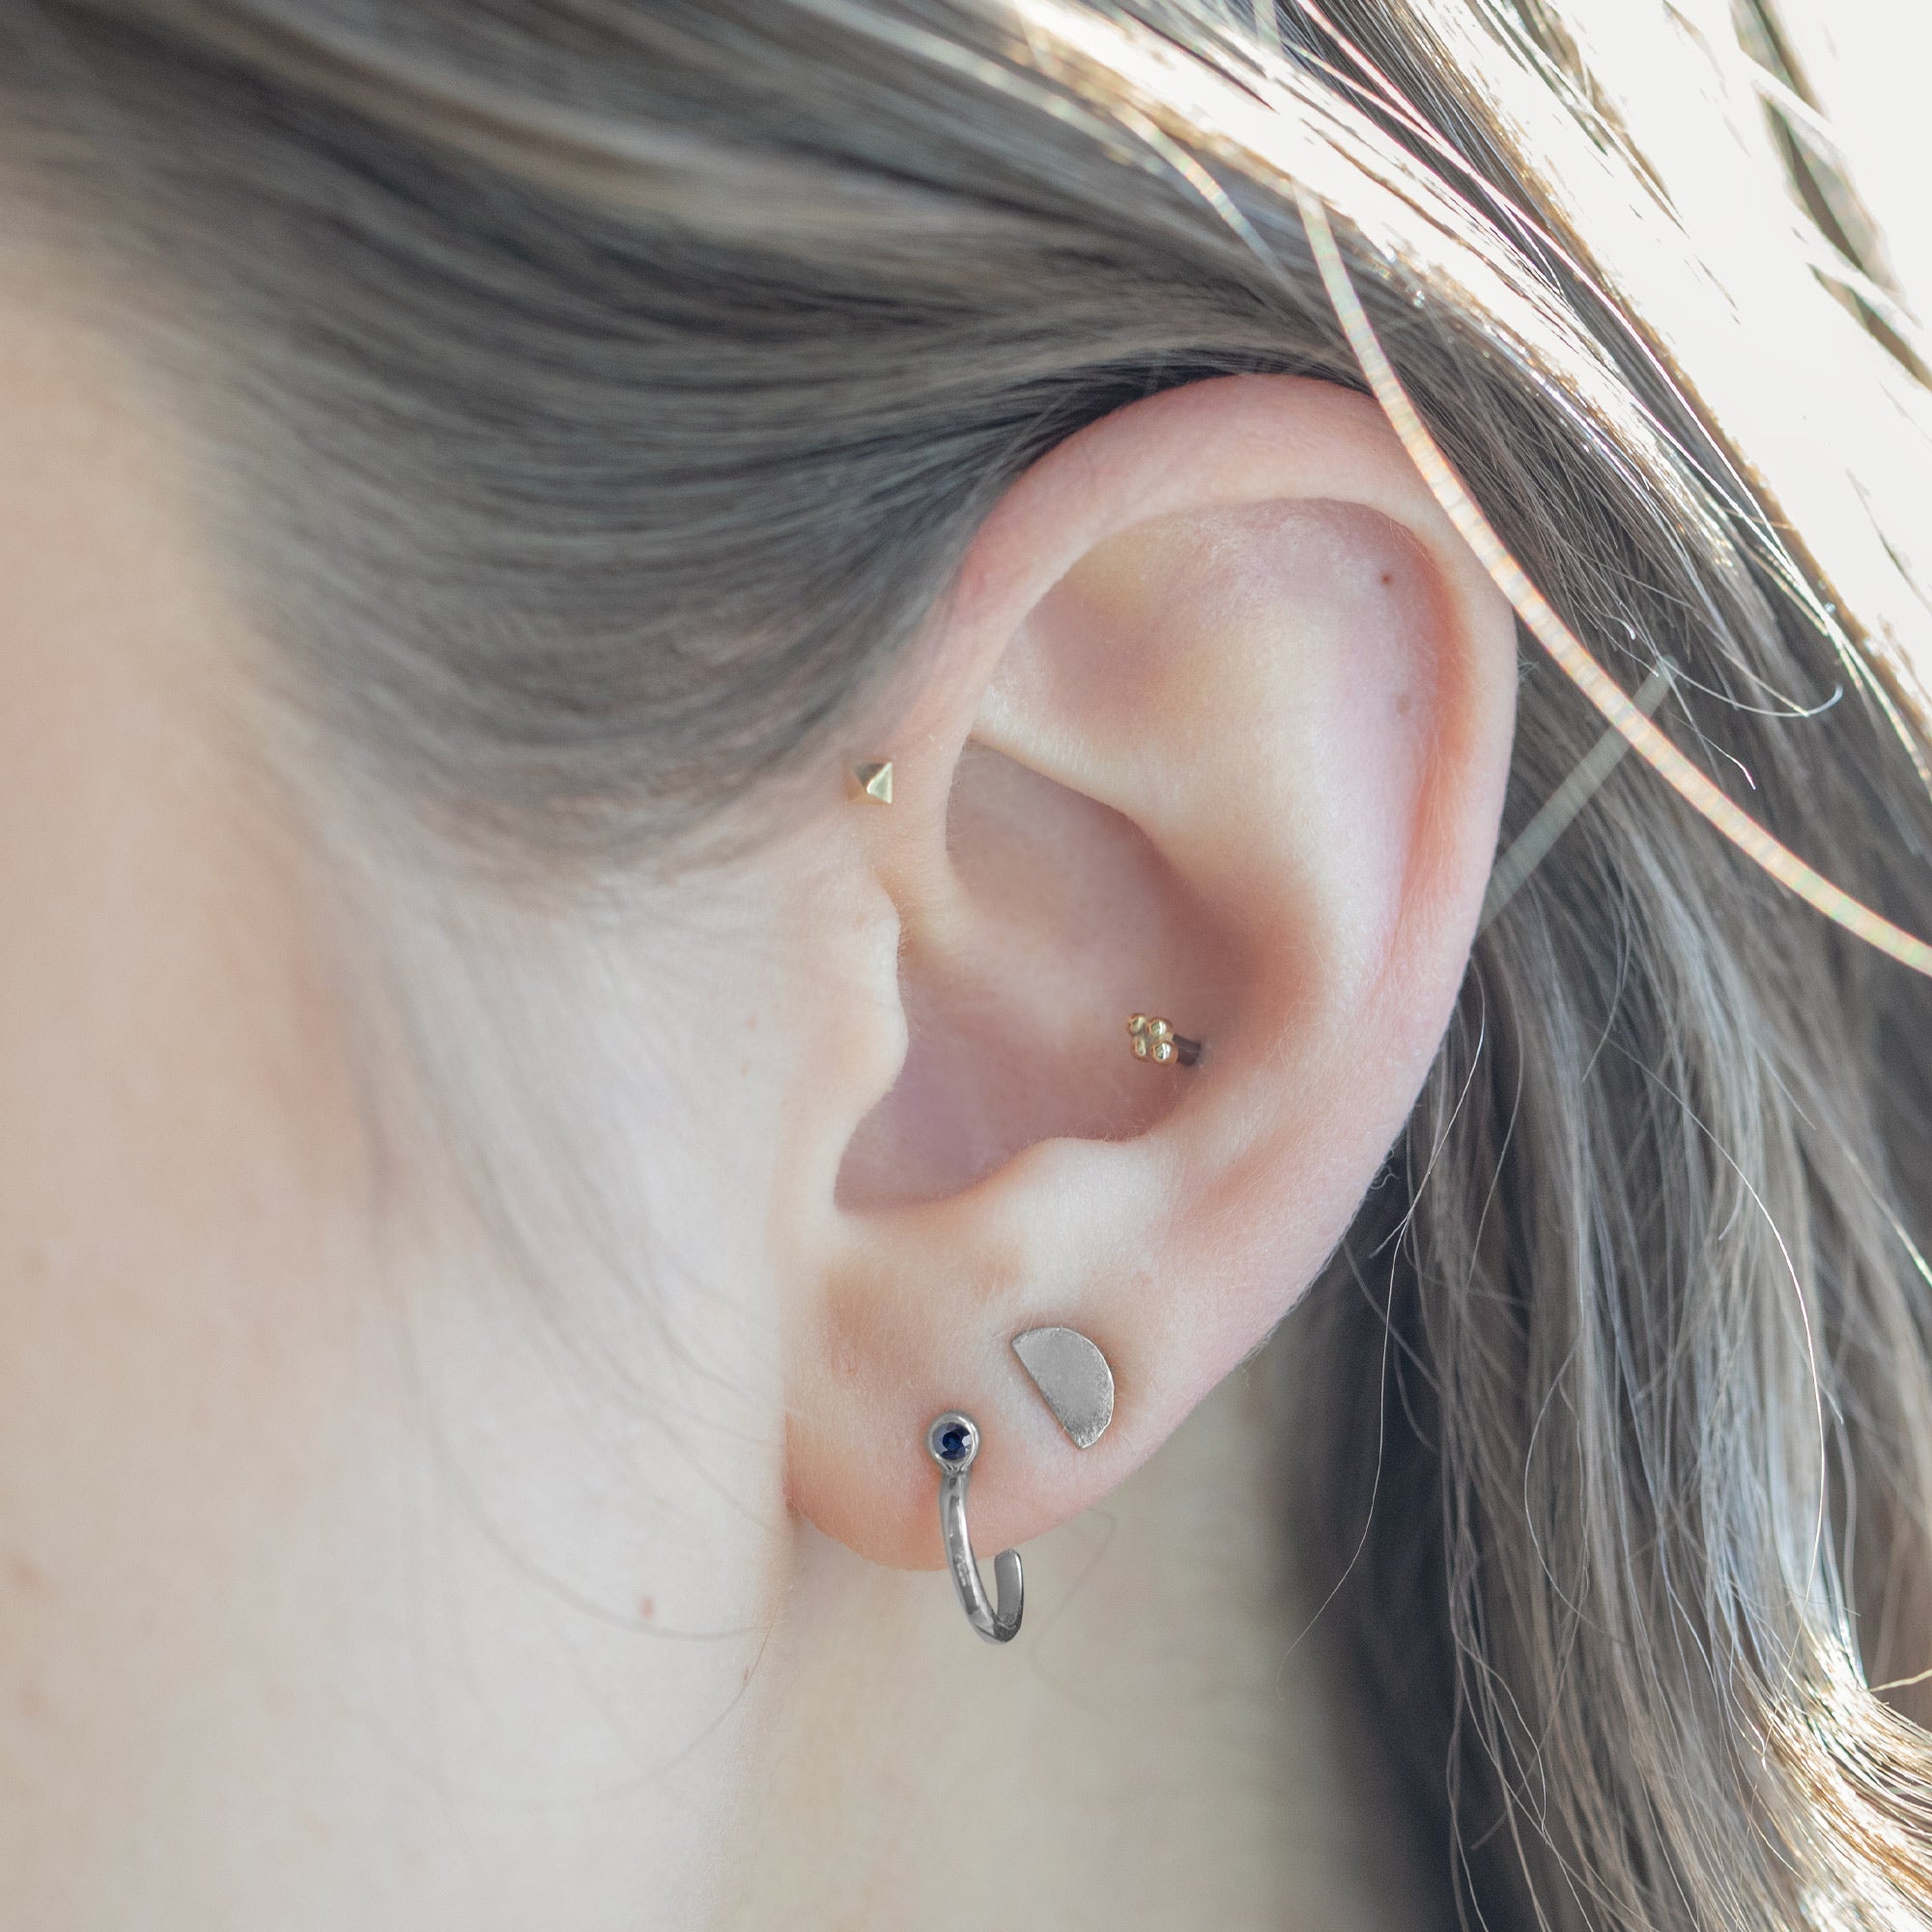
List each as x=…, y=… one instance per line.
x=26, y=1576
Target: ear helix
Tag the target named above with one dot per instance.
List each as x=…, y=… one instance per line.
x=1076, y=1383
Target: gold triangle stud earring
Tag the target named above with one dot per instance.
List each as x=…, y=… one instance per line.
x=874, y=779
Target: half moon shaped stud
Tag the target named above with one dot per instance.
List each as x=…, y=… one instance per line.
x=952, y=1441
x=1073, y=1380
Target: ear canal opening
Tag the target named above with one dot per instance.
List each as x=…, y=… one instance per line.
x=1058, y=922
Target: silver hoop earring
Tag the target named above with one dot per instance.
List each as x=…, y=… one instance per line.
x=952, y=1441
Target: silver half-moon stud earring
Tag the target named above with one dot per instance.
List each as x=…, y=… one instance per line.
x=952, y=1441
x=1073, y=1377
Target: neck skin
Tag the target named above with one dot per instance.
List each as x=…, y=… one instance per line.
x=349, y=1574
x=1154, y=1749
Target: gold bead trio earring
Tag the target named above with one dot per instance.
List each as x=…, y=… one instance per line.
x=1155, y=1039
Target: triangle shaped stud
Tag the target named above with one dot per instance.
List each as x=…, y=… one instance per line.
x=1073, y=1377
x=875, y=781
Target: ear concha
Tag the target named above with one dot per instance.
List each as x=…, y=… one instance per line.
x=1073, y=1377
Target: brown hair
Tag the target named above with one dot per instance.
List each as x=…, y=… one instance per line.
x=601, y=394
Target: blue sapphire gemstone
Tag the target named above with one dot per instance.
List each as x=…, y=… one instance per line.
x=953, y=1443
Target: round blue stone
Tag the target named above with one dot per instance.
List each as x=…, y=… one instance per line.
x=953, y=1443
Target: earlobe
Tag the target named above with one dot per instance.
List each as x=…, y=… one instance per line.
x=1216, y=732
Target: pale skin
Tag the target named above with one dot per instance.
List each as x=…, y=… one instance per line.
x=348, y=1577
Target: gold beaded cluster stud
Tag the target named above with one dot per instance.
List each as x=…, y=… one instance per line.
x=1155, y=1039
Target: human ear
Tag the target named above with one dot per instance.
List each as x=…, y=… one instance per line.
x=1216, y=726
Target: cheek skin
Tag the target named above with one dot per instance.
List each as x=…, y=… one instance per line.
x=293, y=1499
x=177, y=1139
